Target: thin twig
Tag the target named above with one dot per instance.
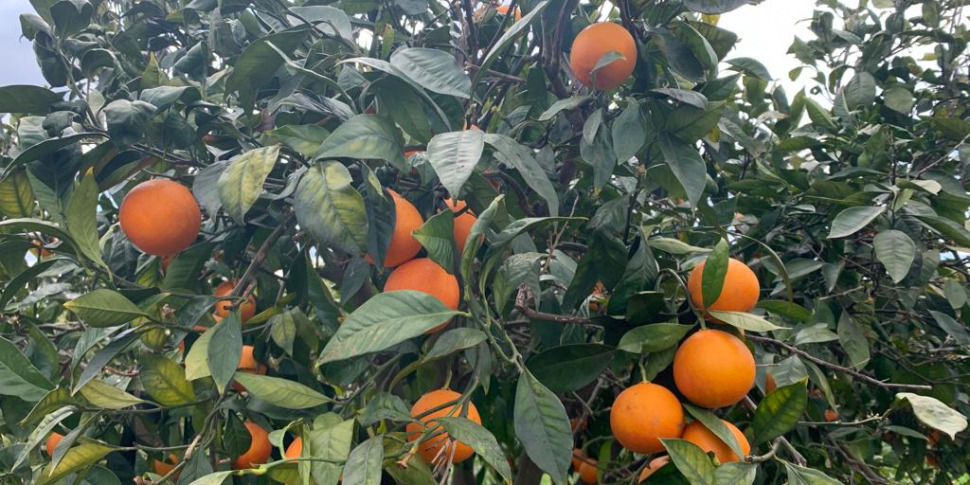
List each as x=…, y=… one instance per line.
x=523, y=303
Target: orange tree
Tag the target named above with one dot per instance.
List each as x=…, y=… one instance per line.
x=413, y=241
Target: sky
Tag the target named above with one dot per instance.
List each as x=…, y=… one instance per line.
x=766, y=31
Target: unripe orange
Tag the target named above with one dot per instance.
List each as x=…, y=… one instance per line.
x=592, y=44
x=160, y=217
x=643, y=414
x=713, y=369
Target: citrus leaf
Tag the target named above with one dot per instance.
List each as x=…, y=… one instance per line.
x=165, y=381
x=933, y=413
x=806, y=476
x=26, y=99
x=18, y=377
x=896, y=251
x=331, y=443
x=541, y=424
x=687, y=166
x=433, y=69
x=714, y=272
x=241, y=183
x=16, y=195
x=364, y=463
x=479, y=439
x=521, y=158
x=745, y=321
x=716, y=426
x=106, y=396
x=454, y=340
x=852, y=220
x=216, y=478
x=368, y=137
x=329, y=208
x=692, y=462
x=281, y=392
x=437, y=236
x=517, y=29
x=779, y=412
x=224, y=349
x=570, y=367
x=104, y=308
x=75, y=460
x=454, y=155
x=43, y=429
x=197, y=360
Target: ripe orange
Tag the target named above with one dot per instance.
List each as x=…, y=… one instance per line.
x=463, y=223
x=592, y=44
x=643, y=414
x=587, y=471
x=578, y=457
x=52, y=442
x=404, y=246
x=653, y=466
x=224, y=307
x=247, y=363
x=831, y=415
x=739, y=293
x=164, y=467
x=423, y=274
x=770, y=384
x=259, y=448
x=39, y=250
x=698, y=434
x=160, y=217
x=713, y=369
x=295, y=450
x=933, y=437
x=438, y=439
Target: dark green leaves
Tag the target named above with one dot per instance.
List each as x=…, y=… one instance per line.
x=165, y=381
x=223, y=349
x=541, y=424
x=653, y=338
x=18, y=377
x=714, y=7
x=570, y=367
x=257, y=65
x=481, y=440
x=852, y=220
x=33, y=100
x=522, y=159
x=241, y=184
x=71, y=16
x=364, y=463
x=437, y=237
x=433, y=69
x=82, y=218
x=896, y=251
x=779, y=412
x=715, y=269
x=330, y=209
x=104, y=308
x=127, y=120
x=687, y=166
x=454, y=156
x=692, y=462
x=384, y=321
x=368, y=137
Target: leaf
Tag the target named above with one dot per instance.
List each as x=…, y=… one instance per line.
x=517, y=29
x=736, y=473
x=330, y=443
x=899, y=99
x=714, y=272
x=241, y=183
x=692, y=98
x=26, y=99
x=105, y=355
x=952, y=327
x=433, y=69
x=329, y=208
x=281, y=392
x=570, y=367
x=71, y=16
x=933, y=413
x=258, y=63
x=715, y=425
x=40, y=433
x=792, y=311
x=384, y=321
x=453, y=341
x=454, y=156
x=541, y=424
x=437, y=236
x=522, y=159
x=216, y=478
x=82, y=218
x=629, y=131
x=16, y=195
x=714, y=7
x=565, y=104
x=653, y=338
x=687, y=165
x=126, y=120
x=104, y=308
x=692, y=462
x=955, y=294
x=368, y=137
x=779, y=412
x=806, y=476
x=165, y=381
x=330, y=20
x=479, y=439
x=853, y=339
x=365, y=463
x=860, y=92
x=674, y=246
x=852, y=220
x=896, y=251
x=223, y=350
x=18, y=377
x=76, y=459
x=106, y=396
x=751, y=67
x=948, y=228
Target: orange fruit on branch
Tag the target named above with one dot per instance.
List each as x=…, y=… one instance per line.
x=698, y=434
x=403, y=246
x=463, y=222
x=223, y=307
x=438, y=441
x=423, y=274
x=713, y=369
x=248, y=363
x=739, y=293
x=160, y=217
x=587, y=471
x=164, y=467
x=592, y=44
x=643, y=414
x=259, y=448
x=653, y=466
x=52, y=442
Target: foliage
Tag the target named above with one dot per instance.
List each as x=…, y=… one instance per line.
x=289, y=119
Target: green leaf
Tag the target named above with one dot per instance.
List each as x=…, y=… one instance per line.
x=899, y=99
x=82, y=218
x=692, y=462
x=653, y=338
x=216, y=478
x=331, y=443
x=224, y=349
x=364, y=463
x=516, y=270
x=541, y=424
x=127, y=120
x=165, y=381
x=946, y=227
x=674, y=246
x=779, y=412
x=433, y=69
x=71, y=16
x=330, y=20
x=368, y=137
x=106, y=396
x=736, y=473
x=566, y=104
x=479, y=439
x=27, y=99
x=798, y=475
x=330, y=209
x=714, y=272
x=281, y=392
x=933, y=413
x=570, y=367
x=384, y=321
x=860, y=92
x=105, y=355
x=522, y=159
x=952, y=327
x=437, y=237
x=715, y=425
x=104, y=308
x=454, y=156
x=853, y=338
x=26, y=276
x=687, y=166
x=751, y=67
x=18, y=377
x=693, y=98
x=241, y=184
x=629, y=131
x=257, y=65
x=75, y=460
x=713, y=7
x=474, y=241
x=453, y=341
x=955, y=294
x=519, y=28
x=40, y=433
x=16, y=195
x=852, y=220
x=792, y=311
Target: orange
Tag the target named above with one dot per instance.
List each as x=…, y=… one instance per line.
x=739, y=293
x=592, y=44
x=423, y=274
x=404, y=246
x=933, y=437
x=295, y=450
x=164, y=467
x=224, y=307
x=52, y=442
x=578, y=426
x=463, y=223
x=247, y=363
x=587, y=471
x=578, y=458
x=39, y=250
x=166, y=260
x=653, y=466
x=438, y=439
x=713, y=369
x=160, y=217
x=643, y=414
x=831, y=415
x=259, y=448
x=698, y=434
x=770, y=384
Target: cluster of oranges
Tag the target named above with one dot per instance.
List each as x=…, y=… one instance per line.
x=711, y=368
